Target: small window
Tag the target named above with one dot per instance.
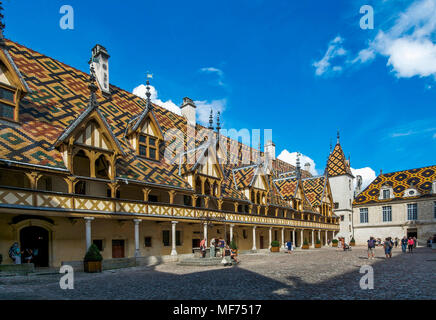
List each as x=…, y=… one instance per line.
x=7, y=95
x=363, y=215
x=166, y=238
x=98, y=243
x=342, y=218
x=6, y=111
x=147, y=242
x=412, y=211
x=187, y=200
x=336, y=205
x=80, y=188
x=386, y=194
x=387, y=213
x=411, y=192
x=148, y=147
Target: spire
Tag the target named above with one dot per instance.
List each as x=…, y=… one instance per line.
x=298, y=168
x=92, y=88
x=331, y=147
x=211, y=120
x=338, y=137
x=218, y=125
x=2, y=26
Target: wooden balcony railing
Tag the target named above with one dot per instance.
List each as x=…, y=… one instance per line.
x=44, y=200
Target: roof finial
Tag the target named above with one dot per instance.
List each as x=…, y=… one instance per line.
x=298, y=168
x=92, y=88
x=331, y=147
x=338, y=136
x=2, y=25
x=211, y=120
x=148, y=94
x=218, y=125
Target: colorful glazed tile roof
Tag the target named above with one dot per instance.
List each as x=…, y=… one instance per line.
x=337, y=164
x=60, y=94
x=421, y=179
x=287, y=187
x=314, y=189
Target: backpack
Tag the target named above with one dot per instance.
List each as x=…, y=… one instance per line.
x=12, y=253
x=371, y=244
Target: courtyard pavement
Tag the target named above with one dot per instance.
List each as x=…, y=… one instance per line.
x=326, y=273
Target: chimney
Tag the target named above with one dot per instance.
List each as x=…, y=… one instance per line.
x=100, y=60
x=188, y=110
x=307, y=166
x=270, y=149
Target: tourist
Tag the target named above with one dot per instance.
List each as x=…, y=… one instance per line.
x=410, y=244
x=429, y=242
x=392, y=246
x=222, y=245
x=396, y=242
x=212, y=248
x=404, y=244
x=203, y=248
x=233, y=255
x=28, y=255
x=328, y=242
x=289, y=246
x=15, y=253
x=371, y=248
x=388, y=247
x=415, y=242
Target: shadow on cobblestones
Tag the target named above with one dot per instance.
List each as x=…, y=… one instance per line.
x=322, y=274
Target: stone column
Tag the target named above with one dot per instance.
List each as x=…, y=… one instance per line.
x=173, y=238
x=137, y=222
x=293, y=238
x=254, y=239
x=205, y=231
x=313, y=238
x=283, y=238
x=326, y=238
x=301, y=238
x=270, y=237
x=88, y=231
x=231, y=232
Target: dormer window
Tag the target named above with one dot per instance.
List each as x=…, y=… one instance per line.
x=386, y=194
x=148, y=146
x=7, y=102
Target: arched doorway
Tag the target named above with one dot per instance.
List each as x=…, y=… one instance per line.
x=36, y=239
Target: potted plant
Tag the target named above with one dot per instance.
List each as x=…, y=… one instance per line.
x=318, y=243
x=275, y=246
x=352, y=242
x=305, y=244
x=92, y=260
x=233, y=246
x=335, y=242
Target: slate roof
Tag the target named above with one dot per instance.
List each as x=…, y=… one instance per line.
x=421, y=179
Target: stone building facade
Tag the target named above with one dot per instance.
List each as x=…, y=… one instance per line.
x=397, y=204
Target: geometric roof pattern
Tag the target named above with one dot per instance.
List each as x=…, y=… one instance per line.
x=314, y=189
x=337, y=164
x=60, y=95
x=421, y=179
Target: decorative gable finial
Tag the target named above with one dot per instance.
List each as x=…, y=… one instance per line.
x=298, y=168
x=338, y=137
x=148, y=94
x=218, y=124
x=211, y=120
x=331, y=147
x=92, y=88
x=2, y=25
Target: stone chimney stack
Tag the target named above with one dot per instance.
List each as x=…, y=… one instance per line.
x=307, y=166
x=100, y=61
x=188, y=111
x=270, y=149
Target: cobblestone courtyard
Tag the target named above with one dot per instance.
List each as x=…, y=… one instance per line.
x=326, y=273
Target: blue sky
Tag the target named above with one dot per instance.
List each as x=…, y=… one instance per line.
x=304, y=69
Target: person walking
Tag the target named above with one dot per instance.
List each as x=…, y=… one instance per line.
x=415, y=242
x=387, y=247
x=410, y=244
x=203, y=248
x=371, y=248
x=289, y=245
x=391, y=247
x=396, y=242
x=212, y=248
x=404, y=244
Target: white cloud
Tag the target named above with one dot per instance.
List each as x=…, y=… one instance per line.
x=367, y=174
x=407, y=43
x=218, y=72
x=291, y=158
x=334, y=49
x=141, y=90
x=204, y=107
